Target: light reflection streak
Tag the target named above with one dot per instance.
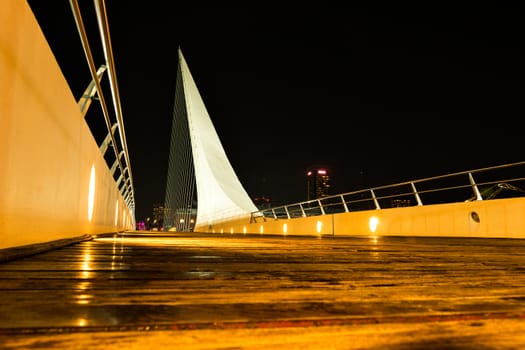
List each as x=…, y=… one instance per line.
x=175, y=241
x=374, y=240
x=117, y=252
x=84, y=285
x=201, y=274
x=83, y=298
x=85, y=263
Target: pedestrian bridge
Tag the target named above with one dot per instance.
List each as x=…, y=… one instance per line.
x=58, y=182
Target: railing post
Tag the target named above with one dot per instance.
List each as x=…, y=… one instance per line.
x=321, y=206
x=375, y=199
x=474, y=187
x=302, y=210
x=419, y=203
x=287, y=212
x=89, y=93
x=121, y=177
x=105, y=144
x=344, y=203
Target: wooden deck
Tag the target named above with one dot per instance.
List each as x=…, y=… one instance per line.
x=195, y=291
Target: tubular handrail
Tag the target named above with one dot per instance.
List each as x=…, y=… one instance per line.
x=126, y=190
x=108, y=52
x=419, y=192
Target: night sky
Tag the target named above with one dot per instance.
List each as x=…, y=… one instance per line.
x=378, y=95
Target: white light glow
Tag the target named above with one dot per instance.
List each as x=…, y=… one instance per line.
x=373, y=223
x=285, y=228
x=319, y=226
x=261, y=229
x=91, y=193
x=116, y=212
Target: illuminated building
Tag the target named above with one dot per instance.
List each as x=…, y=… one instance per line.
x=262, y=202
x=158, y=216
x=318, y=182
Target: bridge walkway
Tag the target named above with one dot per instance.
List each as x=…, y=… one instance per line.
x=145, y=290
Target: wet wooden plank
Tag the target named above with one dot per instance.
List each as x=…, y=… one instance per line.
x=202, y=282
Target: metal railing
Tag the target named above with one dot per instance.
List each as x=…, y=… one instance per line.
x=119, y=164
x=501, y=181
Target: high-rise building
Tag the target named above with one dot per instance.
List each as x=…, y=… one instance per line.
x=318, y=182
x=158, y=216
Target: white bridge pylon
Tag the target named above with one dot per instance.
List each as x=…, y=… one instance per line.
x=220, y=195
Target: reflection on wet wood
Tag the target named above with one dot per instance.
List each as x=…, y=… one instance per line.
x=448, y=289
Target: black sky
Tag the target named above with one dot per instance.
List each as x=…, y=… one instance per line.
x=379, y=95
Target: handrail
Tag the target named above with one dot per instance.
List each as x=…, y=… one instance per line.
x=126, y=190
x=458, y=187
x=108, y=53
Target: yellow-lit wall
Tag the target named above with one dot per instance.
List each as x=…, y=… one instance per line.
x=498, y=218
x=46, y=148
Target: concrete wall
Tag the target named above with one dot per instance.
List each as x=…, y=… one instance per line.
x=48, y=157
x=498, y=218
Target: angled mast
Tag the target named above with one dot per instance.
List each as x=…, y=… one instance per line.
x=220, y=195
